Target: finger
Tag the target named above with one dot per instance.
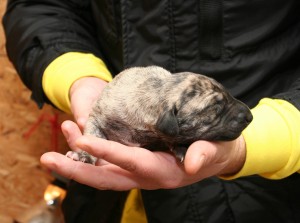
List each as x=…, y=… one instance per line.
x=71, y=132
x=198, y=155
x=137, y=160
x=101, y=162
x=105, y=177
x=151, y=170
x=113, y=152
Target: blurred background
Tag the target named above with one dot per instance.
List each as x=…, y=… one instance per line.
x=26, y=132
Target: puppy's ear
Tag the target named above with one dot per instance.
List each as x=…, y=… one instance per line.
x=167, y=123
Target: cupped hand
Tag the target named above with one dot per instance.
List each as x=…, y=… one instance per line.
x=124, y=167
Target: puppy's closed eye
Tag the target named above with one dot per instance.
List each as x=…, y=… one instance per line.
x=168, y=124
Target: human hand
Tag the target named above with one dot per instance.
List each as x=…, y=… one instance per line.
x=83, y=93
x=124, y=168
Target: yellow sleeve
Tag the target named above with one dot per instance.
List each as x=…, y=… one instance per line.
x=134, y=209
x=272, y=140
x=67, y=68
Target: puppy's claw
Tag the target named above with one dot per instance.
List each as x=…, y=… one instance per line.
x=179, y=152
x=182, y=159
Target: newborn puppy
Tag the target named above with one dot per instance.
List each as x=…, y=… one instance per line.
x=154, y=109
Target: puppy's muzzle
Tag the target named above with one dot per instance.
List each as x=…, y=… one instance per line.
x=240, y=117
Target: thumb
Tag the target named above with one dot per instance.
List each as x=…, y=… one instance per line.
x=199, y=155
x=83, y=94
x=81, y=108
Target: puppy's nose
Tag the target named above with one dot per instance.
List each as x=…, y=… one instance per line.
x=244, y=116
x=241, y=120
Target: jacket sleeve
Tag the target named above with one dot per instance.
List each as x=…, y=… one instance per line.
x=292, y=95
x=37, y=32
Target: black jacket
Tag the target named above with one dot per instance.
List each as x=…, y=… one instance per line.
x=251, y=47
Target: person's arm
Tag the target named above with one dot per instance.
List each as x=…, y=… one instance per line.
x=38, y=32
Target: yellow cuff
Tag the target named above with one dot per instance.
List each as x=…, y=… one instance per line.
x=272, y=140
x=64, y=70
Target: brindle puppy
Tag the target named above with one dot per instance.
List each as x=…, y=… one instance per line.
x=154, y=109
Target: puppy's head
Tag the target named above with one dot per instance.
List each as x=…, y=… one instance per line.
x=202, y=109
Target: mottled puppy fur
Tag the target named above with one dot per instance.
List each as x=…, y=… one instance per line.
x=154, y=109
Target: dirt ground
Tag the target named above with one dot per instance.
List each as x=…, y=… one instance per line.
x=26, y=132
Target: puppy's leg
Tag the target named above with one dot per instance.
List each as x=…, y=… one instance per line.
x=92, y=128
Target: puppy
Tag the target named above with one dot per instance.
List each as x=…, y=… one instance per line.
x=154, y=109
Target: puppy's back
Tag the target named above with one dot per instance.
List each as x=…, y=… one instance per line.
x=131, y=98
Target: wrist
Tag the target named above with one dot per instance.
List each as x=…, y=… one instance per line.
x=94, y=84
x=237, y=157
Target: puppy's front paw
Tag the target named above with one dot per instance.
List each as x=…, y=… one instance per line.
x=81, y=156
